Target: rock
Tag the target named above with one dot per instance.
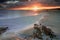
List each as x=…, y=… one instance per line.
x=49, y=32
x=3, y=29
x=37, y=32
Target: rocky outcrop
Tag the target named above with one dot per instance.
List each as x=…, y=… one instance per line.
x=3, y=29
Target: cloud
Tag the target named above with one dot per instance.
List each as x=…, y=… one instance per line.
x=1, y=1
x=50, y=2
x=57, y=1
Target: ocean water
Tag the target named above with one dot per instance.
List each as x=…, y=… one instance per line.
x=20, y=20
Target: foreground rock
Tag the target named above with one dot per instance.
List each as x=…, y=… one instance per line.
x=3, y=29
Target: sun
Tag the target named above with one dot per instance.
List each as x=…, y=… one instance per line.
x=35, y=8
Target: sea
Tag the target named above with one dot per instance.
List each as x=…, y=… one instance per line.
x=19, y=20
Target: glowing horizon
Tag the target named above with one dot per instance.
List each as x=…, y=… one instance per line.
x=35, y=7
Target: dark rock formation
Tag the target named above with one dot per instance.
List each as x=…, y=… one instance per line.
x=37, y=33
x=48, y=32
x=3, y=29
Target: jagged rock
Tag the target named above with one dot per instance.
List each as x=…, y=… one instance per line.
x=48, y=31
x=3, y=29
x=37, y=32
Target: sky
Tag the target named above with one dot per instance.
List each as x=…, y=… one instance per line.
x=41, y=0
x=1, y=1
x=49, y=2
